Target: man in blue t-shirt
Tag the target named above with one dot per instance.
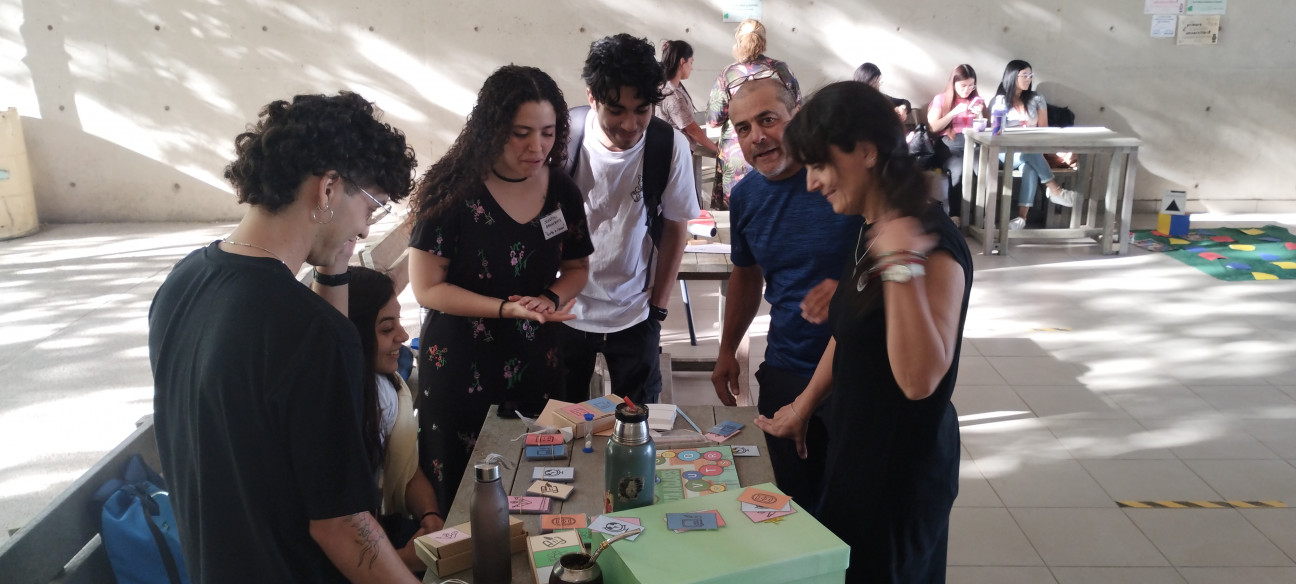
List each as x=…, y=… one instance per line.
x=789, y=239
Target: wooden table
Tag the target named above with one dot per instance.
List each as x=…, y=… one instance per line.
x=1095, y=145
x=706, y=267
x=497, y=436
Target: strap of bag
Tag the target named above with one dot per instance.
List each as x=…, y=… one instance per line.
x=575, y=136
x=141, y=492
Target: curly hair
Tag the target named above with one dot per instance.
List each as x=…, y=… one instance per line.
x=483, y=137
x=672, y=53
x=623, y=61
x=847, y=113
x=749, y=40
x=311, y=136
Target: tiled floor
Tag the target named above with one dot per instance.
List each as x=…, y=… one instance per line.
x=1084, y=380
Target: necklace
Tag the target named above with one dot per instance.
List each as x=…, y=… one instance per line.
x=505, y=178
x=275, y=255
x=863, y=278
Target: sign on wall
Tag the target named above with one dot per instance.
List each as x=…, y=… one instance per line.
x=1198, y=30
x=1206, y=6
x=1164, y=25
x=740, y=10
x=1163, y=6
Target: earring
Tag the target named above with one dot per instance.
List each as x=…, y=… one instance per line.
x=317, y=219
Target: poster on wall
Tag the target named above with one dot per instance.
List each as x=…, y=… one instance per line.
x=740, y=10
x=1163, y=7
x=1206, y=6
x=1164, y=25
x=1199, y=30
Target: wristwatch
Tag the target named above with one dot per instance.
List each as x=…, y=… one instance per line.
x=901, y=273
x=552, y=296
x=656, y=313
x=333, y=279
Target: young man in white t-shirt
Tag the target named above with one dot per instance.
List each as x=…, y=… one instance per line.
x=619, y=312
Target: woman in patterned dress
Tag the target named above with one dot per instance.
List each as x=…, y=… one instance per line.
x=749, y=50
x=497, y=218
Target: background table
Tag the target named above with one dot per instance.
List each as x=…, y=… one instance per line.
x=1096, y=146
x=497, y=436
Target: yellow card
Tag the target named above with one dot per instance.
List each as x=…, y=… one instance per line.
x=1242, y=247
x=764, y=499
x=1253, y=231
x=1177, y=241
x=1264, y=276
x=1286, y=265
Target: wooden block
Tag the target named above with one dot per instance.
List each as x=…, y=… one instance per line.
x=543, y=551
x=552, y=490
x=456, y=540
x=550, y=523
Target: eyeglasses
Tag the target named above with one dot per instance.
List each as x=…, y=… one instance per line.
x=383, y=208
x=757, y=76
x=1026, y=75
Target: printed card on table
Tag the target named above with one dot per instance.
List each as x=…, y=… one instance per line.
x=602, y=404
x=553, y=452
x=725, y=428
x=530, y=505
x=560, y=522
x=758, y=514
x=533, y=439
x=745, y=450
x=678, y=522
x=552, y=490
x=556, y=474
x=614, y=526
x=762, y=498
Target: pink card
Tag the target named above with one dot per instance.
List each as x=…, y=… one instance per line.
x=530, y=505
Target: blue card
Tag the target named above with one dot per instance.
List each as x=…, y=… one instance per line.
x=691, y=521
x=602, y=404
x=725, y=428
x=1269, y=238
x=553, y=452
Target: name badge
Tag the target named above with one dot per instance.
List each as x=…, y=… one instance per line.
x=553, y=224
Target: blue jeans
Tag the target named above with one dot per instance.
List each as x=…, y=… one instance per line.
x=1035, y=173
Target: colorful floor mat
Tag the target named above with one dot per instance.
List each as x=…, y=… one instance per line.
x=1265, y=253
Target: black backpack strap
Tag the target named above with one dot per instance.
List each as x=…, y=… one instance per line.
x=575, y=136
x=658, y=150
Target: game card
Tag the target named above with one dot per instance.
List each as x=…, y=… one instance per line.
x=555, y=474
x=614, y=526
x=764, y=499
x=691, y=521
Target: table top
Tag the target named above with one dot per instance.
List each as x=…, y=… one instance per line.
x=708, y=266
x=1073, y=137
x=498, y=435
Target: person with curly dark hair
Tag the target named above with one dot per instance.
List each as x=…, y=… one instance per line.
x=636, y=174
x=257, y=380
x=497, y=219
x=897, y=328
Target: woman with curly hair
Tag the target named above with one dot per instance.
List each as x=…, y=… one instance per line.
x=749, y=50
x=892, y=362
x=497, y=219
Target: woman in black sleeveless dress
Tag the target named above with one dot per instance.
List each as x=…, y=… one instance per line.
x=897, y=318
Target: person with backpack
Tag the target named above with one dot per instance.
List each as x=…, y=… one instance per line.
x=498, y=251
x=636, y=175
x=257, y=379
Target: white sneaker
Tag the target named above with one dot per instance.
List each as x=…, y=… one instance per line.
x=1016, y=224
x=1064, y=197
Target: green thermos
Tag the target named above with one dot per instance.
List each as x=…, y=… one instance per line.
x=630, y=470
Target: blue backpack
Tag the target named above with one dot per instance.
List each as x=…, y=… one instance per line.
x=139, y=529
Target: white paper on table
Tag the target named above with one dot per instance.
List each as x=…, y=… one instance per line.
x=708, y=248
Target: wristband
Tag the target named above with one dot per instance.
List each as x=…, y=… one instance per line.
x=437, y=513
x=501, y=310
x=552, y=296
x=333, y=279
x=656, y=313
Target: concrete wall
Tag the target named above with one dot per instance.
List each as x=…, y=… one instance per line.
x=131, y=106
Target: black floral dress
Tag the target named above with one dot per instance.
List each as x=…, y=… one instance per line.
x=468, y=364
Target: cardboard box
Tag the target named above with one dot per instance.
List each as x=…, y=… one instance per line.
x=573, y=415
x=544, y=550
x=457, y=563
x=455, y=540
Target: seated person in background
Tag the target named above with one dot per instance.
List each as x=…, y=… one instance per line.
x=948, y=115
x=1027, y=108
x=409, y=505
x=677, y=106
x=902, y=109
x=869, y=74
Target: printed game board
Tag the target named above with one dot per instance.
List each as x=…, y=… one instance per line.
x=685, y=473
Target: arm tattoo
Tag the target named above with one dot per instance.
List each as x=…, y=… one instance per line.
x=367, y=537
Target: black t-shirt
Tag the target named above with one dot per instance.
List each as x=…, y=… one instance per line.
x=257, y=398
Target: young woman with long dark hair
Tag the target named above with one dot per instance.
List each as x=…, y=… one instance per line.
x=1027, y=108
x=677, y=107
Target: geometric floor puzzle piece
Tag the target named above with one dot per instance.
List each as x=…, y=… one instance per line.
x=1253, y=231
x=1222, y=239
x=1196, y=249
x=1268, y=257
x=1286, y=265
x=1238, y=266
x=1177, y=241
x=1242, y=247
x=1210, y=255
x=1264, y=276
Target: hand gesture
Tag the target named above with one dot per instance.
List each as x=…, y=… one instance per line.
x=814, y=308
x=517, y=308
x=725, y=378
x=787, y=423
x=896, y=234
